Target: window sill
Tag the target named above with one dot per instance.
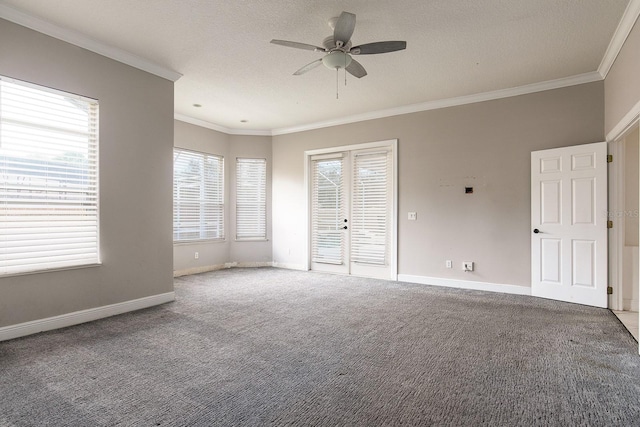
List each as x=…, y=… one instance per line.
x=50, y=270
x=251, y=240
x=198, y=242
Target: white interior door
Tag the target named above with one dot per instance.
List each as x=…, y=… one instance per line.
x=352, y=212
x=569, y=224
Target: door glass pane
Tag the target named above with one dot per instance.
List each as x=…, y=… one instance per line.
x=370, y=208
x=328, y=214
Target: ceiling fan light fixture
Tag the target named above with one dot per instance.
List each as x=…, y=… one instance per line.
x=336, y=59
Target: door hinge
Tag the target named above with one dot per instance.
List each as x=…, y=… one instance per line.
x=609, y=158
x=609, y=290
x=609, y=224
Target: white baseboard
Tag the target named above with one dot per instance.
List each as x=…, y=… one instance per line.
x=252, y=264
x=289, y=266
x=83, y=316
x=206, y=268
x=196, y=270
x=629, y=304
x=465, y=284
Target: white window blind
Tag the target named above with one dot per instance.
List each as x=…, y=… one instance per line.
x=48, y=179
x=251, y=199
x=370, y=214
x=327, y=203
x=198, y=196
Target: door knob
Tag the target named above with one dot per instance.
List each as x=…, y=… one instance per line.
x=535, y=230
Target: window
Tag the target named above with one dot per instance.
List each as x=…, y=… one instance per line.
x=251, y=199
x=198, y=196
x=48, y=179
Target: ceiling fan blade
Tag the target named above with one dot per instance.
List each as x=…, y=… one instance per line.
x=298, y=45
x=308, y=67
x=378, y=47
x=344, y=28
x=356, y=69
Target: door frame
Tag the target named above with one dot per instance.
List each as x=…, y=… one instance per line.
x=619, y=131
x=618, y=208
x=390, y=143
x=617, y=233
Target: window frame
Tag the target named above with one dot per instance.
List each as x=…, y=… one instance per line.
x=63, y=188
x=219, y=204
x=260, y=206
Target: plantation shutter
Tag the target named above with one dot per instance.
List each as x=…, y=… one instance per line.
x=327, y=203
x=48, y=179
x=198, y=196
x=251, y=199
x=370, y=210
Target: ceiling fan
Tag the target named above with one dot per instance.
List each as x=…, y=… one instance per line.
x=338, y=48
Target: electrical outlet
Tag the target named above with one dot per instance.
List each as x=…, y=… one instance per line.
x=467, y=266
x=196, y=255
x=412, y=216
x=449, y=263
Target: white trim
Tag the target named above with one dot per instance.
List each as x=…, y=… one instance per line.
x=617, y=233
x=364, y=146
x=234, y=264
x=590, y=77
x=289, y=266
x=253, y=264
x=630, y=303
x=218, y=128
x=628, y=20
x=196, y=270
x=83, y=41
x=465, y=284
x=628, y=121
x=83, y=316
x=396, y=223
x=450, y=102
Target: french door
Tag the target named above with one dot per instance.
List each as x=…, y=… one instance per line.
x=352, y=212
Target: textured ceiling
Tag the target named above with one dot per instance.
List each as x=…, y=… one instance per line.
x=454, y=48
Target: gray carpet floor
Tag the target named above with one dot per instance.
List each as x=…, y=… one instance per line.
x=275, y=347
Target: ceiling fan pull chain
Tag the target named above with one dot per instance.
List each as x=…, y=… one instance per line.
x=345, y=70
x=337, y=97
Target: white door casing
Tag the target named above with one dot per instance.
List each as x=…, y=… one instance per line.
x=569, y=224
x=365, y=227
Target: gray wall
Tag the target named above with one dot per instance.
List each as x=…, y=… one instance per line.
x=136, y=139
x=622, y=85
x=488, y=143
x=214, y=254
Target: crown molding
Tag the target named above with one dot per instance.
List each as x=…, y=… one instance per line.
x=593, y=76
x=450, y=102
x=218, y=128
x=628, y=20
x=81, y=40
x=590, y=77
x=625, y=124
